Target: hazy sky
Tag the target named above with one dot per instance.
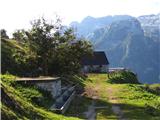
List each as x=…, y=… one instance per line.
x=17, y=14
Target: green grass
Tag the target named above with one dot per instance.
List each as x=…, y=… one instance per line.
x=134, y=100
x=35, y=95
x=16, y=60
x=137, y=101
x=94, y=85
x=98, y=83
x=104, y=114
x=16, y=106
x=154, y=88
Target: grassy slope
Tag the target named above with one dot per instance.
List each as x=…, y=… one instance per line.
x=16, y=106
x=134, y=101
x=17, y=57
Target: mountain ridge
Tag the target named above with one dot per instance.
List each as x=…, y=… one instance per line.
x=128, y=41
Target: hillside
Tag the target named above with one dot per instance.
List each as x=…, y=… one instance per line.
x=21, y=102
x=104, y=97
x=15, y=57
x=128, y=42
x=115, y=96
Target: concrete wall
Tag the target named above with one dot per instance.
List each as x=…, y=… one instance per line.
x=64, y=103
x=95, y=68
x=52, y=86
x=105, y=68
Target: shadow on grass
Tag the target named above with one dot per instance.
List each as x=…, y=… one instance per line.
x=140, y=113
x=104, y=110
x=81, y=103
x=78, y=106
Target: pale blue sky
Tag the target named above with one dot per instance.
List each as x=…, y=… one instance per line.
x=17, y=14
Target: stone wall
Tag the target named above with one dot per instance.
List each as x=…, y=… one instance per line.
x=52, y=86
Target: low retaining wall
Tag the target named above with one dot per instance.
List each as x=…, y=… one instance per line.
x=53, y=85
x=50, y=84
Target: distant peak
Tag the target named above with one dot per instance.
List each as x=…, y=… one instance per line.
x=74, y=23
x=88, y=18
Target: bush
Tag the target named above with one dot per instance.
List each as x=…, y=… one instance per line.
x=121, y=77
x=155, y=88
x=153, y=109
x=8, y=79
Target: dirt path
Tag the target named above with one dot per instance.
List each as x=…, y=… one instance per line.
x=114, y=101
x=91, y=112
x=94, y=91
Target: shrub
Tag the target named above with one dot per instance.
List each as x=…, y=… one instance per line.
x=153, y=109
x=123, y=77
x=8, y=79
x=155, y=88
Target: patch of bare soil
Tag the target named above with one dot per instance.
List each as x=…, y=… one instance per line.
x=90, y=92
x=111, y=97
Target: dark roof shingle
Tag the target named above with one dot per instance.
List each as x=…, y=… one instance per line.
x=98, y=58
